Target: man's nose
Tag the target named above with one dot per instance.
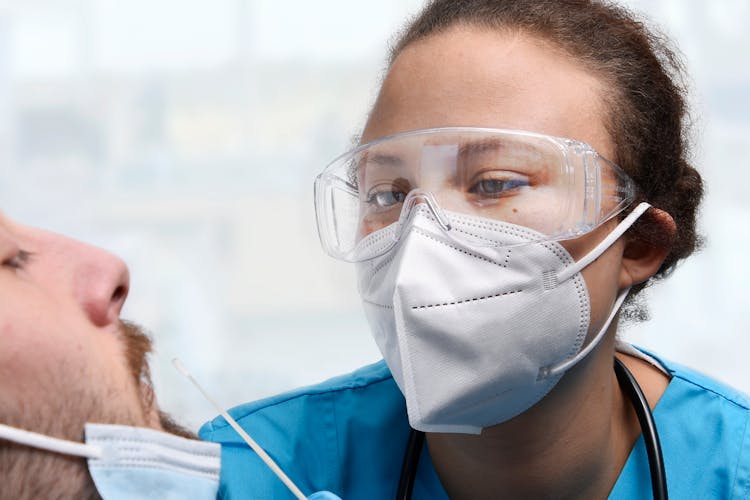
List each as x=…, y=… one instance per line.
x=101, y=282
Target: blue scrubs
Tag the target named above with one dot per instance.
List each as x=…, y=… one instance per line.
x=348, y=435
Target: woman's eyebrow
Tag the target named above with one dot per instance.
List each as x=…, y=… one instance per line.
x=382, y=159
x=481, y=146
x=372, y=160
x=493, y=145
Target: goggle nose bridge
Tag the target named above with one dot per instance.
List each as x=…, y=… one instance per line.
x=418, y=196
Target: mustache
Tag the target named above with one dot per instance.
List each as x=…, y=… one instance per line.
x=138, y=346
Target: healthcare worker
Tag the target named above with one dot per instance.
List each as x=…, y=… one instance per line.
x=522, y=175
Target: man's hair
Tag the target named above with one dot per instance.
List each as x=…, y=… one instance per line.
x=647, y=114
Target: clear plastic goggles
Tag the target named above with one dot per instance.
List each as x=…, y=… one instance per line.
x=559, y=188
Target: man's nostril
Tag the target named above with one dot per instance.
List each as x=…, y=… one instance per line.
x=119, y=293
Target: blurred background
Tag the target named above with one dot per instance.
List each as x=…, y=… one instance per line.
x=184, y=135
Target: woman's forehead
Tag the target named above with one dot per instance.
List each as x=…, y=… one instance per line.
x=497, y=79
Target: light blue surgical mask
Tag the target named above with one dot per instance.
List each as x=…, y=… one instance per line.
x=145, y=463
x=137, y=463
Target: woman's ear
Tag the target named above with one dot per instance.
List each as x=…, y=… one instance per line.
x=646, y=250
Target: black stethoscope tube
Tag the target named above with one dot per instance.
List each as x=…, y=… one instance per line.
x=631, y=388
x=409, y=467
x=648, y=428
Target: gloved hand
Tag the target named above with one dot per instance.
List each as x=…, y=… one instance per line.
x=323, y=495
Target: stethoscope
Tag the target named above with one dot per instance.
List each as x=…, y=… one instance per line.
x=631, y=388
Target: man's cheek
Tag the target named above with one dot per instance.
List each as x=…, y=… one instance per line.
x=12, y=346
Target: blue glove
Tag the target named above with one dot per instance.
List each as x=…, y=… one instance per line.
x=323, y=495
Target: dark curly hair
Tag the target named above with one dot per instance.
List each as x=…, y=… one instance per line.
x=647, y=110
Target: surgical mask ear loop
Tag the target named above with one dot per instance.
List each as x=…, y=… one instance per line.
x=43, y=442
x=567, y=273
x=244, y=435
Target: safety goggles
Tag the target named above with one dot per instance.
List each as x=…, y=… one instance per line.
x=557, y=188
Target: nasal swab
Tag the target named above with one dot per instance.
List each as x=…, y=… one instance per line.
x=250, y=441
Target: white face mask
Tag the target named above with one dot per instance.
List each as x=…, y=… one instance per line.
x=475, y=336
x=135, y=463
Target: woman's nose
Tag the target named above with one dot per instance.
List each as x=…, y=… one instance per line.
x=421, y=196
x=101, y=282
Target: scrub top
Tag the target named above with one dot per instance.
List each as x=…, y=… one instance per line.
x=348, y=435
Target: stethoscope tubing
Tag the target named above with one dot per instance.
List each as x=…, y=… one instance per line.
x=409, y=466
x=648, y=428
x=627, y=383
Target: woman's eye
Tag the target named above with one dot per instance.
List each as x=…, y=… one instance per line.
x=386, y=199
x=18, y=261
x=495, y=187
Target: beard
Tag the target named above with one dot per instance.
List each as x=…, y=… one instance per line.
x=138, y=345
x=69, y=401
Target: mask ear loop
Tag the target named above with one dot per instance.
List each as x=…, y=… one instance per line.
x=567, y=273
x=607, y=242
x=48, y=443
x=567, y=365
